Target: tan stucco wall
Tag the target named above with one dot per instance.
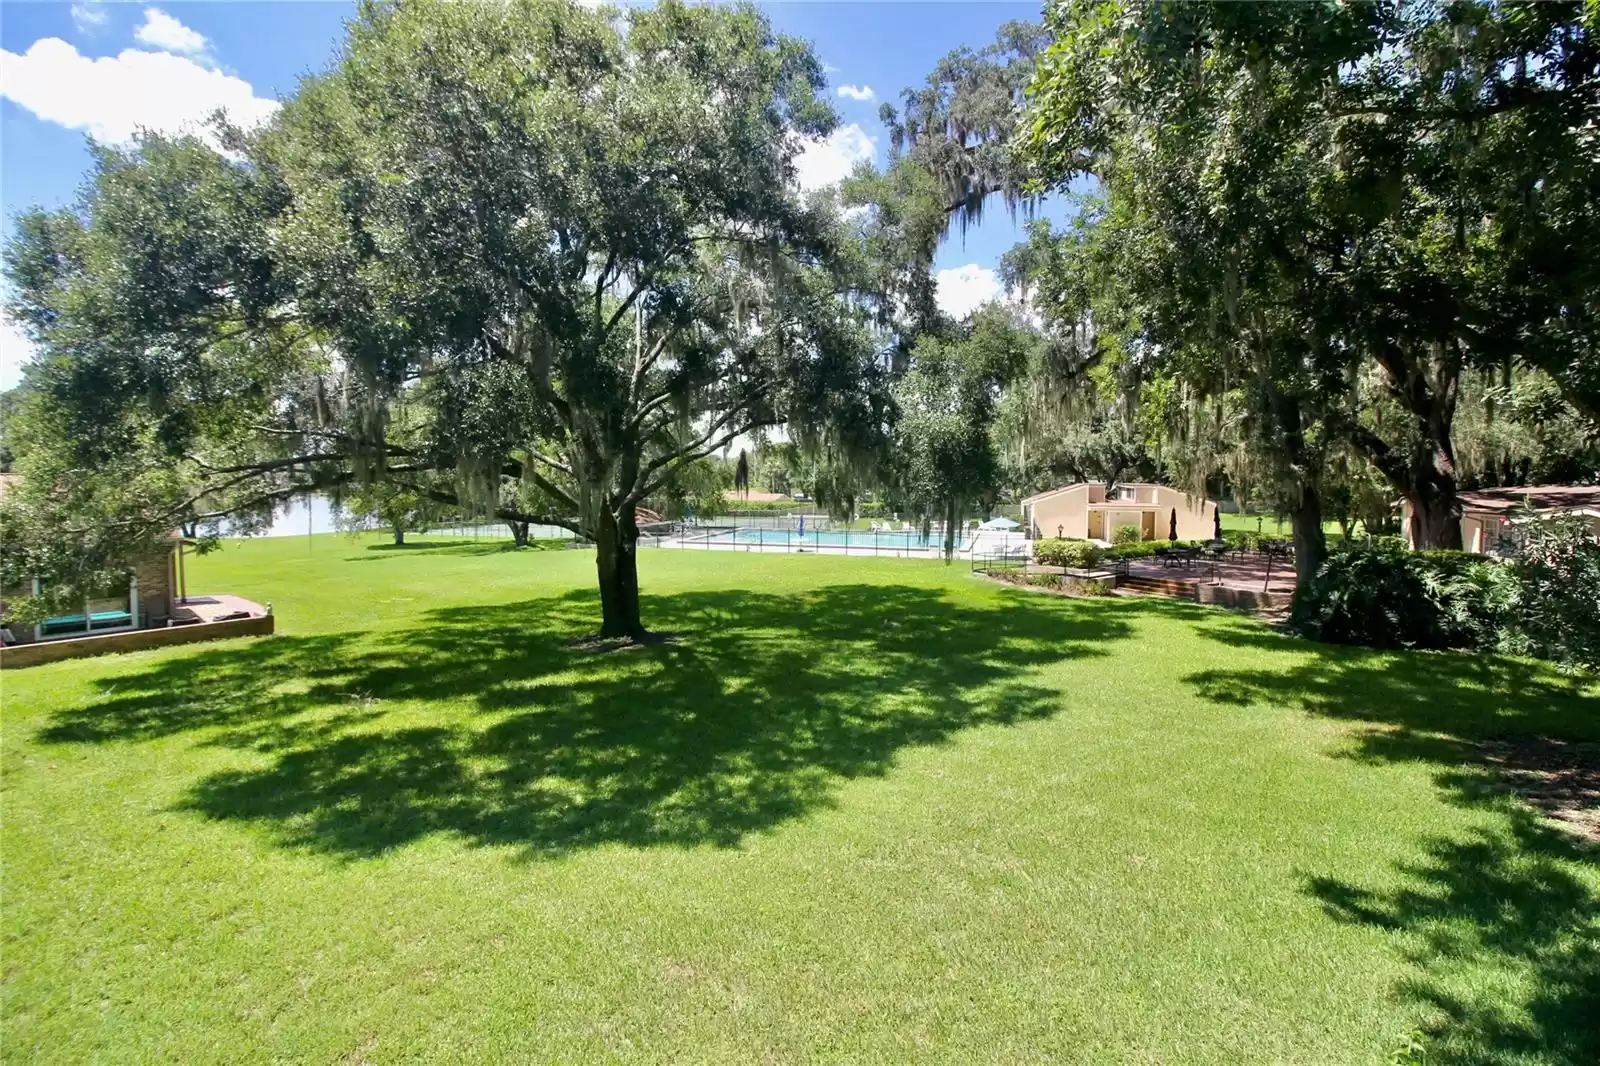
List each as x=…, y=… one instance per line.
x=1195, y=520
x=1069, y=511
x=1116, y=519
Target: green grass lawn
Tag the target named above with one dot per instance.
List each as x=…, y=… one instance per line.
x=1273, y=526
x=864, y=810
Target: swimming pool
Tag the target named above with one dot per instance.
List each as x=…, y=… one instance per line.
x=832, y=539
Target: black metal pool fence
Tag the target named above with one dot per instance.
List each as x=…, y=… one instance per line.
x=786, y=531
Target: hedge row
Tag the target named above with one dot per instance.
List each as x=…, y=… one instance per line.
x=1074, y=553
x=1147, y=549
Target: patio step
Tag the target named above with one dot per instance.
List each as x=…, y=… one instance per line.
x=1158, y=586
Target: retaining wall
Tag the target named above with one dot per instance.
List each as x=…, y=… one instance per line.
x=49, y=651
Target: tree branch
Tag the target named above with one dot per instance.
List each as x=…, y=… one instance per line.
x=505, y=514
x=540, y=457
x=645, y=488
x=554, y=490
x=651, y=405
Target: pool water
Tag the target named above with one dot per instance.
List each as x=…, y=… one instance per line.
x=841, y=539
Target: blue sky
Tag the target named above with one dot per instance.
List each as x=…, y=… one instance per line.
x=72, y=69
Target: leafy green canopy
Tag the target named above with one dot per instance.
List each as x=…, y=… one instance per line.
x=1305, y=192
x=946, y=453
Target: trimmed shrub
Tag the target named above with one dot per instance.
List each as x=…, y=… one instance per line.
x=735, y=505
x=1067, y=552
x=1125, y=535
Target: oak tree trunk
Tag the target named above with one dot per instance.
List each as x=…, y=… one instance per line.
x=617, y=565
x=1310, y=545
x=519, y=533
x=1435, y=510
x=399, y=537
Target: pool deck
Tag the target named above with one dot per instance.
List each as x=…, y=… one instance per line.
x=1248, y=573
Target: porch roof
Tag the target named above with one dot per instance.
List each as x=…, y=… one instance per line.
x=1504, y=502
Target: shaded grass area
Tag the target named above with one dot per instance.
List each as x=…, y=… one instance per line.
x=700, y=741
x=861, y=810
x=1520, y=894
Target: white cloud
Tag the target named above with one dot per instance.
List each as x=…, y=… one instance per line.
x=959, y=291
x=856, y=92
x=831, y=159
x=16, y=350
x=161, y=30
x=89, y=17
x=112, y=96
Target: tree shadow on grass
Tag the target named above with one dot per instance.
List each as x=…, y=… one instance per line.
x=753, y=718
x=379, y=552
x=1501, y=925
x=1503, y=937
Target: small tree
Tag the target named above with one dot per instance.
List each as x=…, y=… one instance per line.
x=385, y=505
x=946, y=455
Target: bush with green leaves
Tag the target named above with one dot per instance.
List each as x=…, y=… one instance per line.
x=1399, y=599
x=1246, y=539
x=1067, y=552
x=739, y=505
x=1555, y=599
x=1125, y=535
x=1543, y=600
x=1149, y=549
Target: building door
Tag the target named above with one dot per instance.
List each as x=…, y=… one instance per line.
x=1097, y=525
x=1147, y=525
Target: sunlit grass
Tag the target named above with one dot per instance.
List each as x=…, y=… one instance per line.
x=860, y=811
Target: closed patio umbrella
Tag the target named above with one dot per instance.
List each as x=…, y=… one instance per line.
x=1172, y=530
x=1216, y=528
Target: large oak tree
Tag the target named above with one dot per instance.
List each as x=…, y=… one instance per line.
x=571, y=237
